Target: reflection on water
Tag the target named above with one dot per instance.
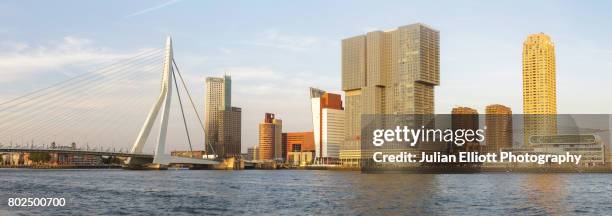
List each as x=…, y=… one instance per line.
x=547, y=191
x=290, y=192
x=392, y=194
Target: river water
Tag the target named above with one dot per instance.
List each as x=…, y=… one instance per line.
x=305, y=192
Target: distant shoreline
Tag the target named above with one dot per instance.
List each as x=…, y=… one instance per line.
x=406, y=171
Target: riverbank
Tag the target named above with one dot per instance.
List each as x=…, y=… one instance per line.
x=61, y=166
x=417, y=170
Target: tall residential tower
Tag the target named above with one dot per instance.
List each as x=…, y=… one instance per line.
x=539, y=86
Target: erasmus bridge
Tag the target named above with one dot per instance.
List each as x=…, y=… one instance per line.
x=106, y=107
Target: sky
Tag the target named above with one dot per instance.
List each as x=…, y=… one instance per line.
x=275, y=50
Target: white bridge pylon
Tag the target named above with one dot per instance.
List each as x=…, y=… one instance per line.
x=163, y=102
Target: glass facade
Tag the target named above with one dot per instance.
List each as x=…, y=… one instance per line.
x=539, y=86
x=388, y=72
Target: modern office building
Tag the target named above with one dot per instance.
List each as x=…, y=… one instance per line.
x=296, y=143
x=328, y=125
x=539, y=86
x=465, y=118
x=222, y=122
x=252, y=153
x=270, y=138
x=230, y=132
x=498, y=120
x=216, y=99
x=387, y=72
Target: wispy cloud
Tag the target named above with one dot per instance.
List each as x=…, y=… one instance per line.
x=605, y=51
x=19, y=60
x=226, y=50
x=275, y=39
x=154, y=8
x=266, y=81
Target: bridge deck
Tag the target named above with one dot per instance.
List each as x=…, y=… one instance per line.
x=120, y=154
x=185, y=160
x=166, y=159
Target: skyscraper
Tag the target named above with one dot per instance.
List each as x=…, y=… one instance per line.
x=270, y=138
x=498, y=121
x=222, y=121
x=388, y=72
x=230, y=133
x=465, y=118
x=539, y=86
x=328, y=124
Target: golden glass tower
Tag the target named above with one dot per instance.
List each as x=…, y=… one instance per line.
x=539, y=86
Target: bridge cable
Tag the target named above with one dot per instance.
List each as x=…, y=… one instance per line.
x=89, y=92
x=81, y=76
x=56, y=122
x=55, y=99
x=61, y=86
x=178, y=94
x=194, y=107
x=52, y=121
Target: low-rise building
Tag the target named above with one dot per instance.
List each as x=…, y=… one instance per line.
x=189, y=154
x=590, y=146
x=297, y=143
x=252, y=153
x=299, y=158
